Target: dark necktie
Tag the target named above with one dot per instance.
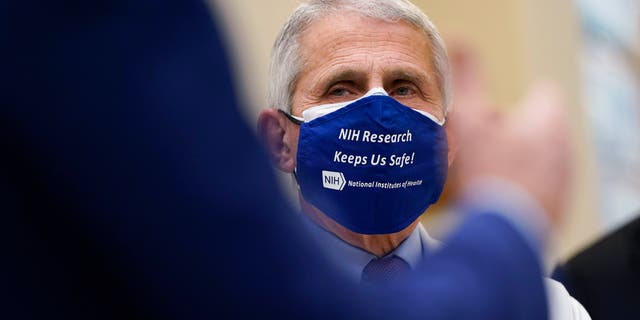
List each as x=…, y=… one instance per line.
x=380, y=271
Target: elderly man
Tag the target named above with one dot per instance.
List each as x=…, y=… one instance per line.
x=328, y=55
x=359, y=92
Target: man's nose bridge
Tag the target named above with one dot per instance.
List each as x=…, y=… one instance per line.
x=375, y=81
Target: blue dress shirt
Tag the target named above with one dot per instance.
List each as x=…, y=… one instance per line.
x=352, y=260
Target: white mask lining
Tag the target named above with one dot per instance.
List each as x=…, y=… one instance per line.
x=321, y=110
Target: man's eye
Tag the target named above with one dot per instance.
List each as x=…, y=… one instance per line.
x=403, y=91
x=339, y=92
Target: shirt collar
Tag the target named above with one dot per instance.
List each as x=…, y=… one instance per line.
x=352, y=260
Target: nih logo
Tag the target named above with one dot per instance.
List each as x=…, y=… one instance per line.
x=333, y=180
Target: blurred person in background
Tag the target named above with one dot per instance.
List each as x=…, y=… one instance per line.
x=360, y=93
x=605, y=276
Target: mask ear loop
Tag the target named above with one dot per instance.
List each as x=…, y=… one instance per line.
x=292, y=118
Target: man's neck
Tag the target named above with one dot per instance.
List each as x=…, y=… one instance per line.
x=377, y=244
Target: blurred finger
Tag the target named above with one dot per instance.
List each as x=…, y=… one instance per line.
x=472, y=111
x=544, y=110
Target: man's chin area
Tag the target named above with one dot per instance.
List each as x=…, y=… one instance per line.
x=376, y=244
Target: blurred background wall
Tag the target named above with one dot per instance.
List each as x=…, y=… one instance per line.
x=517, y=42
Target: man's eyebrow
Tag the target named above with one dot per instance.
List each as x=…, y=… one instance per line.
x=345, y=75
x=419, y=78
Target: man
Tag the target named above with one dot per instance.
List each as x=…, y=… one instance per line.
x=338, y=57
x=346, y=80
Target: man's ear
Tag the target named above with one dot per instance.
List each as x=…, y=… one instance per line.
x=272, y=130
x=452, y=140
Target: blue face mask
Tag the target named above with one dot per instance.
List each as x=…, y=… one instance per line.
x=373, y=165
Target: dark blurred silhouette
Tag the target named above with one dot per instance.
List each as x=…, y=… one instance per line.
x=605, y=276
x=131, y=189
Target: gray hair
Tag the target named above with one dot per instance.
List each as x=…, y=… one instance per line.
x=286, y=60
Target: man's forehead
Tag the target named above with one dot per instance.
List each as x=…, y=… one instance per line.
x=333, y=35
x=332, y=23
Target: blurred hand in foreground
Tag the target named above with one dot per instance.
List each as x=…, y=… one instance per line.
x=529, y=147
